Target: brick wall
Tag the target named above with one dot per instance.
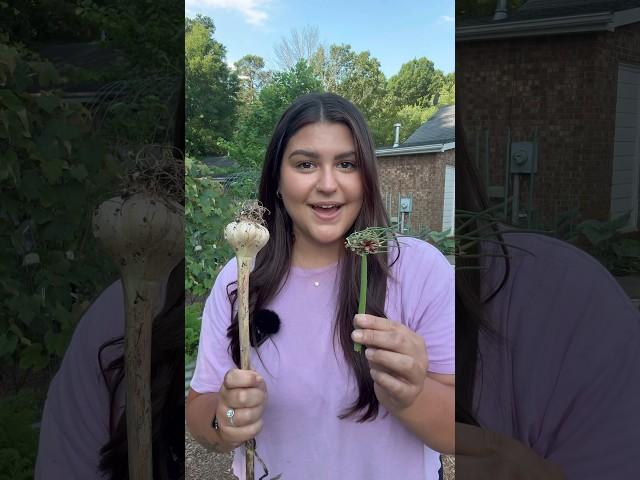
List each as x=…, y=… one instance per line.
x=420, y=175
x=563, y=86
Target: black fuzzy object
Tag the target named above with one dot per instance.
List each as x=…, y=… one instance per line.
x=265, y=323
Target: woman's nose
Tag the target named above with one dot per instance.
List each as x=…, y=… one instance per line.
x=327, y=182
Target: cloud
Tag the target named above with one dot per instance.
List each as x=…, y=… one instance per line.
x=447, y=18
x=254, y=11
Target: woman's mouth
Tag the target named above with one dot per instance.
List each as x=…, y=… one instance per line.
x=326, y=211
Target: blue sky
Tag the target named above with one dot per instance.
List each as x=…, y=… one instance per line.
x=393, y=31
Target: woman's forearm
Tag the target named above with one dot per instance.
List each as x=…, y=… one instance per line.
x=431, y=417
x=200, y=411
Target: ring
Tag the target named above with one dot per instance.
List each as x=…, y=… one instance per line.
x=230, y=414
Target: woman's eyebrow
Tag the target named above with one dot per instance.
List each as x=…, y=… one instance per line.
x=306, y=153
x=345, y=155
x=309, y=153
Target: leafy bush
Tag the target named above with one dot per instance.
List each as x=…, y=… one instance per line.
x=192, y=323
x=209, y=207
x=53, y=170
x=18, y=437
x=618, y=254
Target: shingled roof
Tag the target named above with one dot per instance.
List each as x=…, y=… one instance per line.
x=438, y=129
x=549, y=17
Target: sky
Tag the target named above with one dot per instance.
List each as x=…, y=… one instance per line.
x=394, y=32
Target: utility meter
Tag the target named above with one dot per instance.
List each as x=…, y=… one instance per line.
x=405, y=204
x=522, y=158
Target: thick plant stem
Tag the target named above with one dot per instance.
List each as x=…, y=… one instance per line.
x=244, y=269
x=139, y=319
x=362, y=304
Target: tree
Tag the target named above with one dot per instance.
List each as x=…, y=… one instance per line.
x=210, y=89
x=417, y=83
x=254, y=130
x=299, y=46
x=448, y=90
x=355, y=76
x=332, y=67
x=252, y=76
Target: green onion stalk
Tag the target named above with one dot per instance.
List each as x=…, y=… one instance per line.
x=366, y=242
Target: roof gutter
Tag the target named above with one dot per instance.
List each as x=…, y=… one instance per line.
x=593, y=22
x=434, y=148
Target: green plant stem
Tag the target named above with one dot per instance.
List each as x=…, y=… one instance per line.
x=362, y=304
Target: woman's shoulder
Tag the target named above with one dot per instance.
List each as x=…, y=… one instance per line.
x=415, y=256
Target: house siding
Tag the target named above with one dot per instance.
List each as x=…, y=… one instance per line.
x=421, y=176
x=563, y=86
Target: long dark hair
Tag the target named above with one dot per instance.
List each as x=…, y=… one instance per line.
x=471, y=304
x=273, y=261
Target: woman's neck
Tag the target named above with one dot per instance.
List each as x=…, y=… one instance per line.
x=315, y=256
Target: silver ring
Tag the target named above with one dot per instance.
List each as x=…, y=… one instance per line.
x=230, y=414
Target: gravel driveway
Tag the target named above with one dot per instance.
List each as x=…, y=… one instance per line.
x=204, y=465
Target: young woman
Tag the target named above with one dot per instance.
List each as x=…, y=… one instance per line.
x=317, y=408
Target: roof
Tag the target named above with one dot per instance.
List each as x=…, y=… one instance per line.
x=562, y=8
x=440, y=128
x=552, y=17
x=435, y=135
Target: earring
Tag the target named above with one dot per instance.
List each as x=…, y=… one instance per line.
x=278, y=194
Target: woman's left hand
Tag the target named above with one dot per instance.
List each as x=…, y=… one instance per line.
x=397, y=357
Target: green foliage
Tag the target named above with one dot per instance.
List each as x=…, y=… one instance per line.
x=53, y=170
x=192, y=324
x=252, y=76
x=210, y=90
x=18, y=438
x=411, y=117
x=618, y=254
x=443, y=241
x=416, y=83
x=254, y=130
x=209, y=207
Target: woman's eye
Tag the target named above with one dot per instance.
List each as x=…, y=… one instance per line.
x=304, y=165
x=347, y=165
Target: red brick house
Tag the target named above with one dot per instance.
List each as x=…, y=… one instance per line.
x=556, y=86
x=417, y=177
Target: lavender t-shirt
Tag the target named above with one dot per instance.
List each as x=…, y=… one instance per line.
x=560, y=372
x=309, y=384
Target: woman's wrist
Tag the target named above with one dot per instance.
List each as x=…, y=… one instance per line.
x=213, y=440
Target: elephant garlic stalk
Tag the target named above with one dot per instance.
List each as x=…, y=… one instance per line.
x=144, y=234
x=246, y=235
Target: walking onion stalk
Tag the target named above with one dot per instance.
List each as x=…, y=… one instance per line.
x=371, y=240
x=246, y=235
x=143, y=231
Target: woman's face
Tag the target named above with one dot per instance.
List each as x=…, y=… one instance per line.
x=321, y=183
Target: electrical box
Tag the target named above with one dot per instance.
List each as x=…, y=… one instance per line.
x=405, y=204
x=522, y=158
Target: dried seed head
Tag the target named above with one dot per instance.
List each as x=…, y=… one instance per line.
x=370, y=240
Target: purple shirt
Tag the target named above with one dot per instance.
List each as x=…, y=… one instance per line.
x=309, y=384
x=561, y=375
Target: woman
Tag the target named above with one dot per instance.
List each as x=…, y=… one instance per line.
x=548, y=350
x=317, y=408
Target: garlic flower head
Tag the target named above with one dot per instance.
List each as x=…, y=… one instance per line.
x=143, y=233
x=247, y=234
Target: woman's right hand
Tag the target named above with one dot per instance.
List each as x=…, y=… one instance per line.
x=245, y=392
